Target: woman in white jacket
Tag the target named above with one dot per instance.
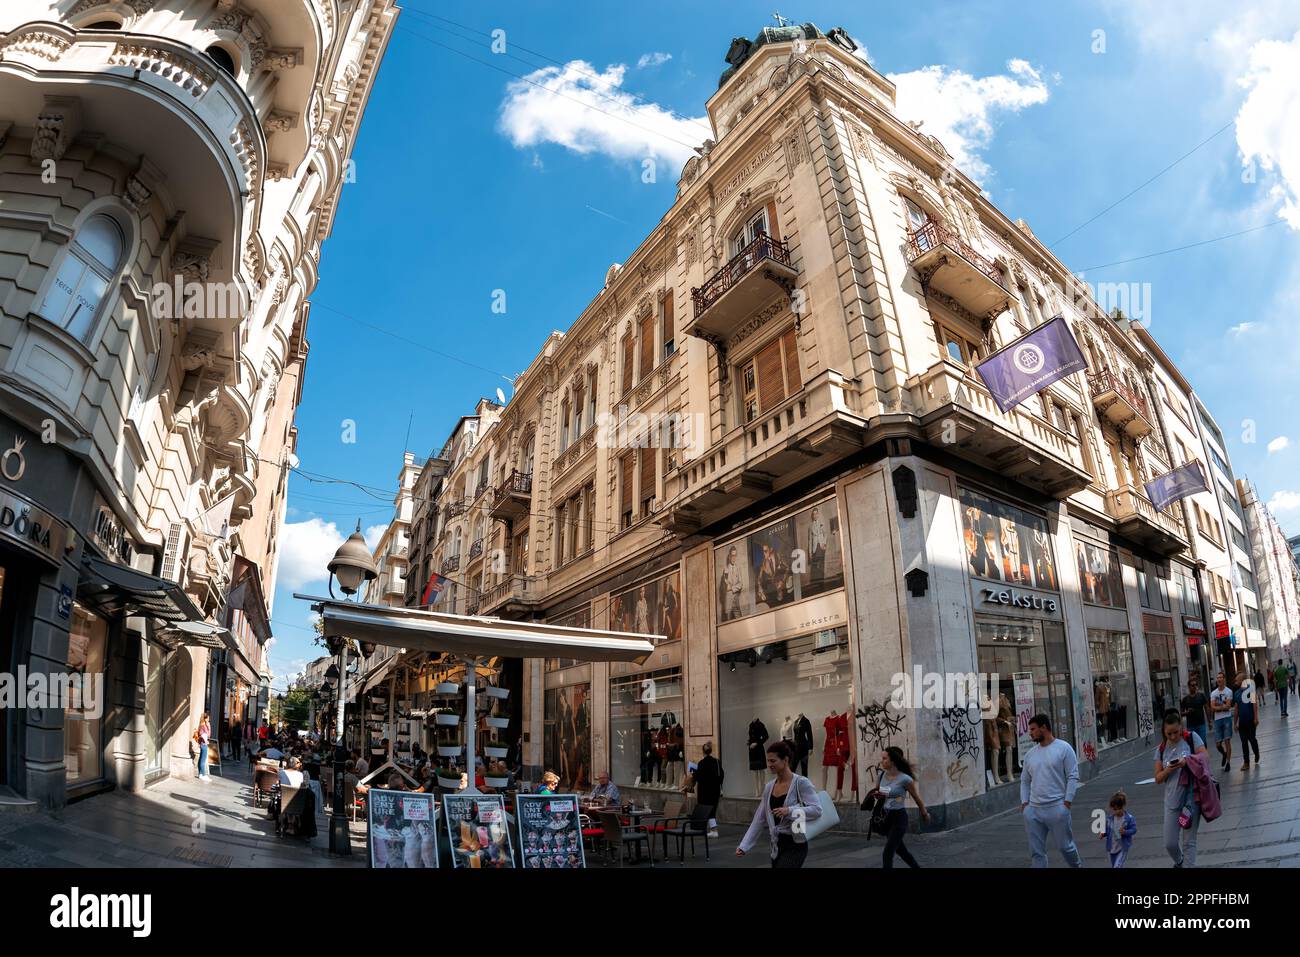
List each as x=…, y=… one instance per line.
x=789, y=802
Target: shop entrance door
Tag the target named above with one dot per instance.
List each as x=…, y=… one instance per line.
x=16, y=588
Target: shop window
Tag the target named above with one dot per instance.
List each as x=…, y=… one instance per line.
x=89, y=268
x=800, y=689
x=787, y=561
x=1110, y=657
x=646, y=739
x=1100, y=582
x=1029, y=657
x=770, y=377
x=83, y=745
x=566, y=742
x=1005, y=543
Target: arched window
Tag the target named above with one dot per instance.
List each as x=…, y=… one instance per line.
x=222, y=58
x=89, y=266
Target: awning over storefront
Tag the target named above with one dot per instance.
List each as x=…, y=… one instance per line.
x=115, y=589
x=379, y=674
x=418, y=630
x=197, y=633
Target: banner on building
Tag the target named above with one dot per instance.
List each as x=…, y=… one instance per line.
x=403, y=829
x=550, y=833
x=1029, y=364
x=1181, y=482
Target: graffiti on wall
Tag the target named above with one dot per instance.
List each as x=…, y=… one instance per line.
x=1146, y=724
x=957, y=773
x=1089, y=752
x=878, y=725
x=960, y=729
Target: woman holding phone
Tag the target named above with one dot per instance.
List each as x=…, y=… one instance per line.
x=1181, y=815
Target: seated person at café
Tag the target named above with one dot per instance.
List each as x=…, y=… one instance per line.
x=605, y=791
x=362, y=765
x=550, y=782
x=292, y=775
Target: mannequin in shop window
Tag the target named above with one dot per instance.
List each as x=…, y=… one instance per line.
x=803, y=742
x=649, y=758
x=758, y=754
x=1000, y=737
x=1102, y=702
x=787, y=730
x=676, y=752
x=661, y=750
x=836, y=752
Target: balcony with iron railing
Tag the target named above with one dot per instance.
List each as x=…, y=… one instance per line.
x=957, y=413
x=513, y=594
x=950, y=266
x=476, y=549
x=1120, y=404
x=455, y=509
x=1136, y=518
x=451, y=564
x=514, y=498
x=746, y=281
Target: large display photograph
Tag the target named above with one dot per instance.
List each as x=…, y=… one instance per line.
x=567, y=745
x=1005, y=543
x=795, y=558
x=651, y=608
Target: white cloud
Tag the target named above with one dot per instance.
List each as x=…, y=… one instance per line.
x=1268, y=123
x=587, y=112
x=653, y=59
x=1241, y=329
x=373, y=534
x=1284, y=501
x=305, y=550
x=1278, y=444
x=960, y=109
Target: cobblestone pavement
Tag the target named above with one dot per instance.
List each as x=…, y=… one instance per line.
x=1260, y=826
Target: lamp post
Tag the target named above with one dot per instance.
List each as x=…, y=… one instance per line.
x=353, y=567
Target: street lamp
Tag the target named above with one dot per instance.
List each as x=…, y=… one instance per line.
x=353, y=567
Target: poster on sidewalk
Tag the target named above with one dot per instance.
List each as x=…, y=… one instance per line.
x=402, y=829
x=550, y=834
x=1024, y=691
x=476, y=826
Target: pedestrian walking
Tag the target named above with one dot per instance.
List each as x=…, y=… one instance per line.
x=706, y=780
x=1182, y=814
x=1195, y=708
x=789, y=800
x=1221, y=709
x=1291, y=671
x=1260, y=685
x=1049, y=777
x=897, y=781
x=1245, y=717
x=1280, y=678
x=236, y=736
x=1120, y=828
x=202, y=737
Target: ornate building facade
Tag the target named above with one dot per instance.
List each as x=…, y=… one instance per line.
x=172, y=168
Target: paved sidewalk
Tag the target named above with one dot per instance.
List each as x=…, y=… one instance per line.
x=1260, y=825
x=155, y=828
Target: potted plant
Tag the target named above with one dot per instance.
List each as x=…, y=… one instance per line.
x=494, y=779
x=499, y=723
x=446, y=717
x=496, y=749
x=499, y=693
x=450, y=750
x=446, y=688
x=448, y=778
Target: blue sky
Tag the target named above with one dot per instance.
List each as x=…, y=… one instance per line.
x=470, y=179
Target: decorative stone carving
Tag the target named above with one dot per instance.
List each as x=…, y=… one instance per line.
x=140, y=7
x=280, y=122
x=57, y=126
x=644, y=306
x=756, y=322
x=278, y=59
x=47, y=46
x=692, y=245
x=192, y=259
x=136, y=193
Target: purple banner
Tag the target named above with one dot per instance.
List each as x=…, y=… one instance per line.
x=1031, y=363
x=1181, y=482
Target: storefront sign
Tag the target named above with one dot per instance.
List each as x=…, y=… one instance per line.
x=1017, y=602
x=476, y=825
x=65, y=602
x=1024, y=690
x=110, y=536
x=1193, y=627
x=402, y=829
x=1222, y=628
x=31, y=528
x=550, y=834
x=1009, y=596
x=824, y=613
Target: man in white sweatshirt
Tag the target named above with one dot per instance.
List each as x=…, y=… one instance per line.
x=1048, y=780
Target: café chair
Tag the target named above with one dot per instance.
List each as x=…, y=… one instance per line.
x=589, y=831
x=672, y=812
x=694, y=825
x=618, y=835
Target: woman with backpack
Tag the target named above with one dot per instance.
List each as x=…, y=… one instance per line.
x=789, y=802
x=1182, y=813
x=896, y=782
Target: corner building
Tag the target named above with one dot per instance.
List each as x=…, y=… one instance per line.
x=807, y=490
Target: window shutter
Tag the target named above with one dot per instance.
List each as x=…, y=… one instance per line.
x=770, y=390
x=793, y=378
x=627, y=362
x=668, y=317
x=771, y=219
x=625, y=494
x=647, y=345
x=647, y=473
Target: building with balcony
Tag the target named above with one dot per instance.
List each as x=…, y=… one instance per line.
x=171, y=170
x=1276, y=575
x=764, y=440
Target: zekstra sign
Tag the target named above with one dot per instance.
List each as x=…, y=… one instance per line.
x=1017, y=602
x=31, y=528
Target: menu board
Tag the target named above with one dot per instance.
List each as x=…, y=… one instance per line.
x=403, y=829
x=550, y=834
x=476, y=825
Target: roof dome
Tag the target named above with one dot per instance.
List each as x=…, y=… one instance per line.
x=742, y=48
